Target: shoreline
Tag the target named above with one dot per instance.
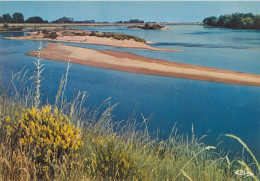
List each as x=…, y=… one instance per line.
x=129, y=62
x=94, y=40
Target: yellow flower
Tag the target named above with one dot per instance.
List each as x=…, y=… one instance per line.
x=8, y=119
x=49, y=151
x=50, y=132
x=10, y=128
x=56, y=110
x=31, y=139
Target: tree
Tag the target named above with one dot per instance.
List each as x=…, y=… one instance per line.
x=35, y=19
x=236, y=20
x=64, y=20
x=134, y=21
x=6, y=18
x=18, y=18
x=257, y=22
x=211, y=21
x=249, y=22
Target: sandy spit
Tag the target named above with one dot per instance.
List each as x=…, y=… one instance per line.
x=93, y=40
x=129, y=62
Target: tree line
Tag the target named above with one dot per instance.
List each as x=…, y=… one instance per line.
x=19, y=18
x=236, y=21
x=132, y=21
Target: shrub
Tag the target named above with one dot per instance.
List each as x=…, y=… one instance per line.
x=110, y=161
x=93, y=33
x=48, y=137
x=118, y=36
x=51, y=35
x=5, y=26
x=45, y=32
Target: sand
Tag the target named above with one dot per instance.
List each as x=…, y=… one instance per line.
x=129, y=62
x=93, y=40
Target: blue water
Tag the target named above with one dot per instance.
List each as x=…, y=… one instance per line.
x=212, y=108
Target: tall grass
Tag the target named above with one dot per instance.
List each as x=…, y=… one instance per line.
x=111, y=150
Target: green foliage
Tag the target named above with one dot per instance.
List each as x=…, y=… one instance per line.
x=153, y=27
x=45, y=32
x=5, y=26
x=51, y=35
x=64, y=20
x=147, y=26
x=211, y=21
x=236, y=20
x=118, y=36
x=35, y=19
x=18, y=18
x=46, y=137
x=111, y=160
x=134, y=21
x=6, y=18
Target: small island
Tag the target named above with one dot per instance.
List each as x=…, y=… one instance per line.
x=89, y=37
x=147, y=26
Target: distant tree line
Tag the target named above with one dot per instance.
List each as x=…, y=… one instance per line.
x=236, y=20
x=19, y=18
x=71, y=20
x=132, y=21
x=64, y=20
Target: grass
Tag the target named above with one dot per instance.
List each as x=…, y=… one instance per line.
x=109, y=151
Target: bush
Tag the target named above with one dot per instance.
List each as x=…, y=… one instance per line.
x=51, y=35
x=45, y=32
x=111, y=161
x=5, y=26
x=118, y=36
x=49, y=138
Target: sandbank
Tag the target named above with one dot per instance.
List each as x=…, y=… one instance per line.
x=95, y=40
x=129, y=62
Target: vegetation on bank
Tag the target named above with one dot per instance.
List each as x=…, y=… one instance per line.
x=147, y=26
x=236, y=20
x=117, y=36
x=6, y=27
x=52, y=34
x=67, y=141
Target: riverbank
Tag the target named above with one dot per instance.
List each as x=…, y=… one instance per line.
x=129, y=62
x=102, y=149
x=95, y=38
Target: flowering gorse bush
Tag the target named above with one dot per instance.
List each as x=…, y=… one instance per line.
x=49, y=137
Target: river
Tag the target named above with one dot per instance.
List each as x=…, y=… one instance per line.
x=212, y=108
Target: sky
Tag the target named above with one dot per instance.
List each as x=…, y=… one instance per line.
x=112, y=11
